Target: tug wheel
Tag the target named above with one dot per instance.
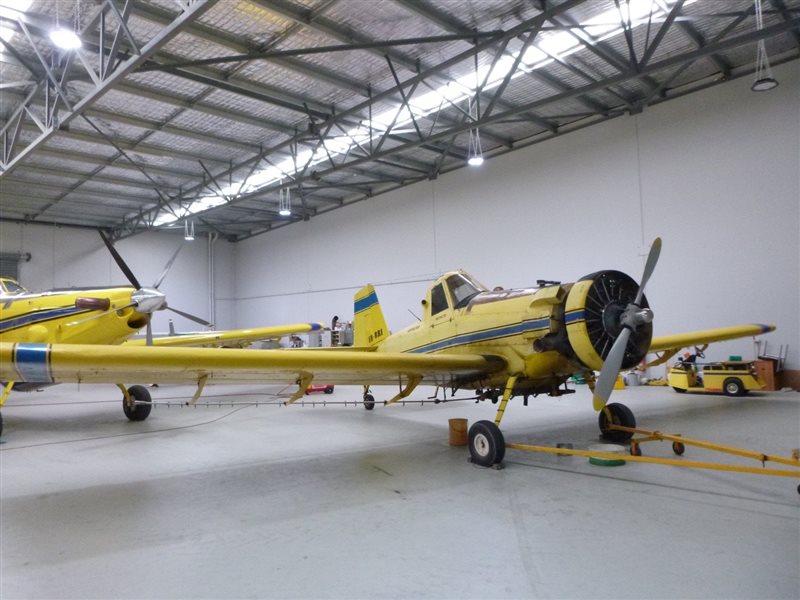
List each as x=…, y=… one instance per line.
x=142, y=403
x=636, y=449
x=678, y=448
x=733, y=387
x=487, y=447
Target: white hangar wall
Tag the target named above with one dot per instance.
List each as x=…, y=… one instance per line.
x=716, y=174
x=64, y=257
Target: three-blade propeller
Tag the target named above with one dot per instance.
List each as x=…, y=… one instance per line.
x=631, y=318
x=148, y=300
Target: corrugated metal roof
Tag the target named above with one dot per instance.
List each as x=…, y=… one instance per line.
x=232, y=98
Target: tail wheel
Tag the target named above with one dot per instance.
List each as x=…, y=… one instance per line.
x=733, y=387
x=618, y=414
x=369, y=401
x=487, y=447
x=141, y=404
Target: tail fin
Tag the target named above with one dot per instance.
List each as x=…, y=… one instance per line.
x=369, y=326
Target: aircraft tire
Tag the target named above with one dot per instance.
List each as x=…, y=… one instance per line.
x=620, y=415
x=138, y=412
x=487, y=446
x=679, y=390
x=369, y=401
x=733, y=386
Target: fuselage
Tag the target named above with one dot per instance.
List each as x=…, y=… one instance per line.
x=81, y=316
x=544, y=334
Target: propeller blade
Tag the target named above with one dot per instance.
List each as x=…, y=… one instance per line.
x=120, y=262
x=190, y=317
x=649, y=267
x=167, y=267
x=610, y=370
x=149, y=332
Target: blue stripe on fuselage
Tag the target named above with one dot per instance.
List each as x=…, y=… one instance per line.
x=484, y=335
x=366, y=302
x=39, y=316
x=32, y=362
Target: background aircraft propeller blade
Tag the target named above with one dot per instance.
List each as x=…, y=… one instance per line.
x=167, y=267
x=149, y=332
x=189, y=316
x=120, y=262
x=613, y=362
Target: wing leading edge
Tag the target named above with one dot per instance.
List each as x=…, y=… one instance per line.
x=63, y=363
x=672, y=344
x=229, y=337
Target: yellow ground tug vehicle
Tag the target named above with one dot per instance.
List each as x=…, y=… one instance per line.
x=732, y=377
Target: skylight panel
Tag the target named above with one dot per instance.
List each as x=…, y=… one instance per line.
x=559, y=44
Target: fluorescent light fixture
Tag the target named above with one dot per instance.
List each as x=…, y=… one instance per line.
x=65, y=39
x=188, y=231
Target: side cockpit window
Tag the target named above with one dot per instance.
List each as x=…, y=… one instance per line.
x=438, y=299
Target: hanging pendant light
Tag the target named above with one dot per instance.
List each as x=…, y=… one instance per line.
x=764, y=81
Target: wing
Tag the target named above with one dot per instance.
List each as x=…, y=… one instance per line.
x=230, y=337
x=61, y=363
x=670, y=345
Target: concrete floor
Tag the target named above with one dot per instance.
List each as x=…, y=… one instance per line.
x=337, y=502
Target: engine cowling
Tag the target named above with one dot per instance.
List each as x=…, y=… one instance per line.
x=593, y=317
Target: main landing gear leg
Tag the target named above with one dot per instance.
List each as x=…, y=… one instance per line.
x=487, y=446
x=6, y=392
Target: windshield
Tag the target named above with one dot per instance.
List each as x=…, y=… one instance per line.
x=11, y=287
x=462, y=289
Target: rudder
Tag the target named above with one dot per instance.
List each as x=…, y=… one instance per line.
x=369, y=326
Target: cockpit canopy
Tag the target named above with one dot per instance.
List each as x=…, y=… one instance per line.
x=461, y=288
x=9, y=287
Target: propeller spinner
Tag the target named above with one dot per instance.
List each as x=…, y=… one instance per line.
x=149, y=300
x=629, y=320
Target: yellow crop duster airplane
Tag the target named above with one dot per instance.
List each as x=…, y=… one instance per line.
x=102, y=316
x=503, y=343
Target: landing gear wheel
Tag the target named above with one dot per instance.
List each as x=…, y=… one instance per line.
x=678, y=448
x=142, y=403
x=620, y=415
x=679, y=390
x=369, y=401
x=487, y=447
x=636, y=449
x=733, y=387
